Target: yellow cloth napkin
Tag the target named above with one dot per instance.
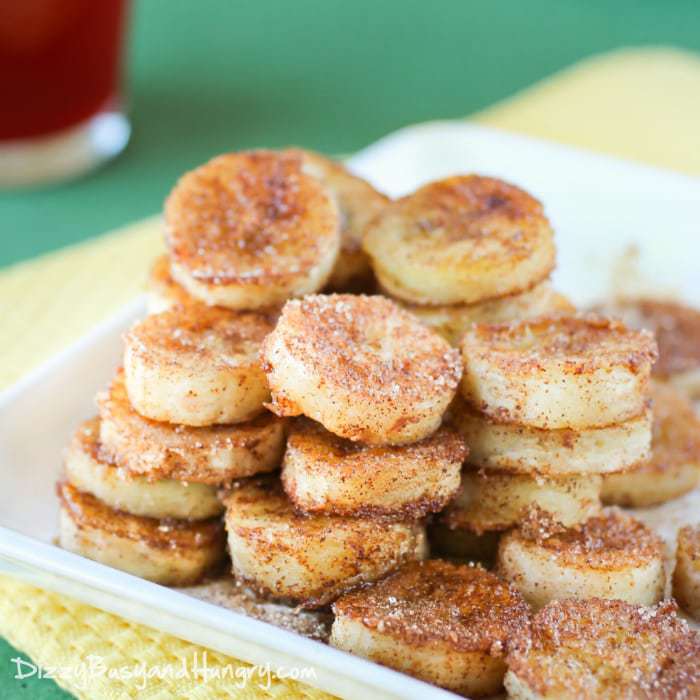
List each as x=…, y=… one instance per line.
x=642, y=104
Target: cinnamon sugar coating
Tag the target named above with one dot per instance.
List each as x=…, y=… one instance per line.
x=552, y=372
x=580, y=343
x=461, y=240
x=177, y=536
x=324, y=473
x=361, y=366
x=310, y=559
x=438, y=602
x=208, y=334
x=609, y=541
x=599, y=649
x=211, y=455
x=252, y=220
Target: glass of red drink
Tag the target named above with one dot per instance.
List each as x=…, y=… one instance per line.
x=61, y=112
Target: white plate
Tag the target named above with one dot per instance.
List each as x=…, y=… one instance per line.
x=599, y=206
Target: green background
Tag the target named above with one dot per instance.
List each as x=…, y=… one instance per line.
x=210, y=75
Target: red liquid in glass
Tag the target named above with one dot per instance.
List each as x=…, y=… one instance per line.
x=59, y=63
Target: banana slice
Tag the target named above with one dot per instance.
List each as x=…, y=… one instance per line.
x=461, y=240
x=323, y=473
x=444, y=623
x=197, y=365
x=359, y=203
x=249, y=230
x=166, y=498
x=362, y=367
x=453, y=321
x=686, y=575
x=604, y=650
x=209, y=455
x=491, y=500
x=519, y=448
x=163, y=291
x=464, y=544
x=170, y=552
x=674, y=466
x=558, y=372
x=310, y=559
x=608, y=556
x=677, y=330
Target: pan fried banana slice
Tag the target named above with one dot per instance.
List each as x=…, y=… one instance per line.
x=558, y=372
x=165, y=498
x=674, y=466
x=447, y=624
x=519, y=448
x=464, y=544
x=491, y=500
x=163, y=291
x=604, y=650
x=359, y=203
x=197, y=365
x=461, y=240
x=323, y=473
x=608, y=556
x=209, y=455
x=310, y=559
x=362, y=367
x=453, y=321
x=677, y=330
x=170, y=552
x=686, y=575
x=249, y=230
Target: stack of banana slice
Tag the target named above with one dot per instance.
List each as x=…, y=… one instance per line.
x=269, y=404
x=182, y=417
x=466, y=249
x=549, y=405
x=185, y=415
x=366, y=460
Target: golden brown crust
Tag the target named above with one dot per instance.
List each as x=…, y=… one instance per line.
x=608, y=542
x=360, y=351
x=581, y=343
x=436, y=601
x=209, y=334
x=676, y=327
x=552, y=372
x=86, y=439
x=472, y=228
x=158, y=450
x=173, y=535
x=250, y=217
x=344, y=352
x=332, y=451
x=411, y=510
x=326, y=555
x=357, y=475
x=599, y=649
